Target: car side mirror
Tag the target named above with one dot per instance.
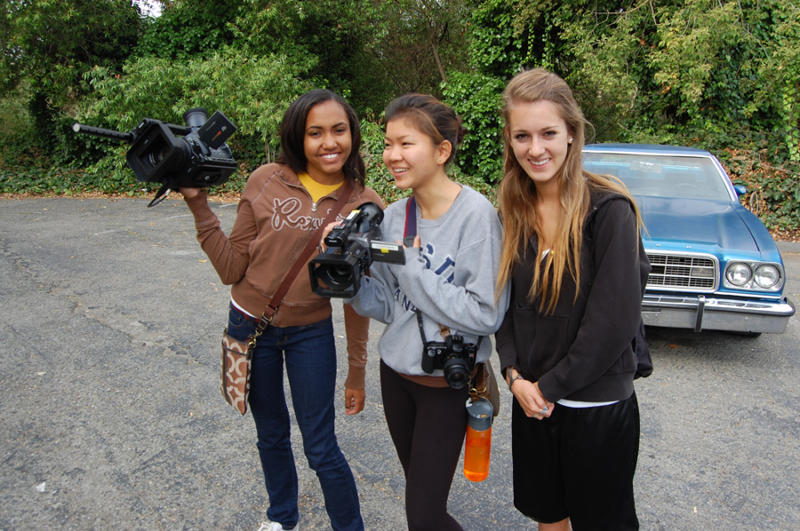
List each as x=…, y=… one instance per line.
x=740, y=189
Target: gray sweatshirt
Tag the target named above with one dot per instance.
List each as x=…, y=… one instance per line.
x=450, y=279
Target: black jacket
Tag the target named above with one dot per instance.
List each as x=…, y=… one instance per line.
x=582, y=351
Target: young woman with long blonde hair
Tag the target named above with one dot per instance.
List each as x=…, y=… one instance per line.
x=573, y=256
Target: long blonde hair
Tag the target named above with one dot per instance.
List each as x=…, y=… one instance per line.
x=517, y=193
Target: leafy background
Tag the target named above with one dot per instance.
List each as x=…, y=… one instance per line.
x=719, y=75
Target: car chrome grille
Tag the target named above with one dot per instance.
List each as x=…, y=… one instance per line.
x=683, y=271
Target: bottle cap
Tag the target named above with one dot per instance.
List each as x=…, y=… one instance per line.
x=479, y=414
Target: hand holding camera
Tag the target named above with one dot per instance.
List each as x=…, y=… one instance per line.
x=348, y=250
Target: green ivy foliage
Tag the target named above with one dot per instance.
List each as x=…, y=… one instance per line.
x=477, y=99
x=779, y=75
x=495, y=47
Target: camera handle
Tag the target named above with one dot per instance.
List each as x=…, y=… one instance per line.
x=162, y=194
x=130, y=138
x=105, y=133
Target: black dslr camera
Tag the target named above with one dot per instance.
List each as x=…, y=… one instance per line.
x=159, y=153
x=350, y=249
x=453, y=356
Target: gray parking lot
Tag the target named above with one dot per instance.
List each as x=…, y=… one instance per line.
x=112, y=416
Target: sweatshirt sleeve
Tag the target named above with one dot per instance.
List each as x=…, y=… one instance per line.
x=229, y=254
x=374, y=298
x=613, y=306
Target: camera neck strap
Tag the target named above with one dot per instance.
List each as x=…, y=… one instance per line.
x=269, y=312
x=409, y=234
x=410, y=229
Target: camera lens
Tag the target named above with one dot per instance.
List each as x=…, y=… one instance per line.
x=336, y=276
x=456, y=372
x=157, y=155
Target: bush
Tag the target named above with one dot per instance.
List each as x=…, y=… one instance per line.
x=16, y=128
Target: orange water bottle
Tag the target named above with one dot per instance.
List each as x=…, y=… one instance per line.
x=478, y=445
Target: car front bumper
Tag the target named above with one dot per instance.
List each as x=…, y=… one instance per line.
x=701, y=312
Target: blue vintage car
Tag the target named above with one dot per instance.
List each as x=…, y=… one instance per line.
x=715, y=265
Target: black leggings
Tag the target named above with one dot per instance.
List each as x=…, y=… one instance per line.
x=427, y=425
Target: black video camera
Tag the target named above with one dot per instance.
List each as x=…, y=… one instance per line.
x=158, y=153
x=453, y=356
x=350, y=249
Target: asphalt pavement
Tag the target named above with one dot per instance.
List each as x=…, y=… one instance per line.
x=112, y=415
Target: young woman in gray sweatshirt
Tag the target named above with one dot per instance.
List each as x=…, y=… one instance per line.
x=446, y=287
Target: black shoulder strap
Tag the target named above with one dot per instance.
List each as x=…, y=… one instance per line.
x=644, y=362
x=409, y=234
x=410, y=230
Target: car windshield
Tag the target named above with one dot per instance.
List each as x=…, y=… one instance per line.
x=662, y=175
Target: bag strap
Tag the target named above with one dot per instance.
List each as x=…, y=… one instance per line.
x=311, y=245
x=639, y=345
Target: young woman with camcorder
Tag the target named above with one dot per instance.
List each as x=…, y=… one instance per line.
x=280, y=209
x=438, y=307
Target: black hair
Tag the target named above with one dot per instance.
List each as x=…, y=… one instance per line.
x=293, y=130
x=434, y=118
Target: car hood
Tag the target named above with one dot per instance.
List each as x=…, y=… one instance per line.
x=697, y=223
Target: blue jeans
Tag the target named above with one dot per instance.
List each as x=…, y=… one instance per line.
x=310, y=356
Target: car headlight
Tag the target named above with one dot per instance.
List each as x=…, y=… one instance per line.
x=767, y=276
x=738, y=274
x=754, y=276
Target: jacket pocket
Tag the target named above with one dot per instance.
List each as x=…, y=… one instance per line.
x=541, y=340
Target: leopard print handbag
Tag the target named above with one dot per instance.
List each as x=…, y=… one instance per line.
x=235, y=375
